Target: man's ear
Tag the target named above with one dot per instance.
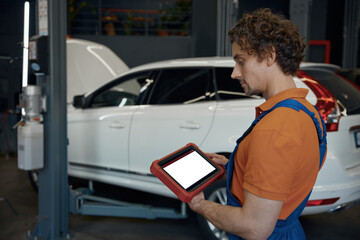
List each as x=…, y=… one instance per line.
x=270, y=56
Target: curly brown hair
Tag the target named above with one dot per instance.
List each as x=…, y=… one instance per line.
x=258, y=32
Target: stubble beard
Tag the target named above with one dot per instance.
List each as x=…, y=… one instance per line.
x=250, y=91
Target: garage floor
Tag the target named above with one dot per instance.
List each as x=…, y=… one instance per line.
x=15, y=187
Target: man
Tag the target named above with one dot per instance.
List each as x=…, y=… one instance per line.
x=274, y=167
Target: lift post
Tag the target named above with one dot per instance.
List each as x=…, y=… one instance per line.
x=53, y=179
x=56, y=199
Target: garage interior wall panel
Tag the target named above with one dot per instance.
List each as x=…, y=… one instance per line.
x=141, y=47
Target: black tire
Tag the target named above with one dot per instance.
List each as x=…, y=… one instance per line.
x=216, y=193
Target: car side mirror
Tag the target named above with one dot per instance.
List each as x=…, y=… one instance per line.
x=79, y=101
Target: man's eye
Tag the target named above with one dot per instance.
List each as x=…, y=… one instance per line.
x=241, y=63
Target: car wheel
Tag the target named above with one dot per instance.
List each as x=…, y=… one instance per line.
x=216, y=193
x=34, y=179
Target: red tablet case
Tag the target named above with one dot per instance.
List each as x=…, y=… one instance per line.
x=181, y=193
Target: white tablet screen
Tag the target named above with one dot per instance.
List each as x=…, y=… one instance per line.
x=189, y=169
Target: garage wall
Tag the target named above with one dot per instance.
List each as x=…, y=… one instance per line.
x=11, y=30
x=318, y=26
x=278, y=6
x=136, y=50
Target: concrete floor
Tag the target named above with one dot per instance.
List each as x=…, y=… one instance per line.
x=15, y=187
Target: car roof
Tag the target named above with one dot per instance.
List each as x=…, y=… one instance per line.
x=215, y=62
x=190, y=62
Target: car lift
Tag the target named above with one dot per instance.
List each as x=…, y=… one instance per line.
x=56, y=198
x=81, y=201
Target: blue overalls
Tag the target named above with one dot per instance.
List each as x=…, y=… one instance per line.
x=290, y=228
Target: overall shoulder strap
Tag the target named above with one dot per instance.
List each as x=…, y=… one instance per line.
x=296, y=105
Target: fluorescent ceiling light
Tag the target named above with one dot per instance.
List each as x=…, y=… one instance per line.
x=26, y=44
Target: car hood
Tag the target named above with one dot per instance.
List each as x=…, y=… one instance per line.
x=90, y=65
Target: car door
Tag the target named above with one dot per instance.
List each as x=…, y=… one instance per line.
x=234, y=113
x=99, y=134
x=180, y=110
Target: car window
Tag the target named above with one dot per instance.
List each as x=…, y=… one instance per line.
x=122, y=92
x=343, y=91
x=181, y=86
x=228, y=88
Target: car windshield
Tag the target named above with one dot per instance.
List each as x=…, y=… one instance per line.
x=347, y=94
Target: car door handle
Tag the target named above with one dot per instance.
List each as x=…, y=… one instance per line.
x=190, y=125
x=117, y=125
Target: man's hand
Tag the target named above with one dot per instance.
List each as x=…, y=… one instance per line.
x=195, y=202
x=217, y=158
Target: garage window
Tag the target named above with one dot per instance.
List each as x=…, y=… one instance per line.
x=131, y=18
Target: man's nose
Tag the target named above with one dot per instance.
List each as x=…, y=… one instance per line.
x=236, y=73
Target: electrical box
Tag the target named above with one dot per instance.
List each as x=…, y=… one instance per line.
x=39, y=54
x=31, y=146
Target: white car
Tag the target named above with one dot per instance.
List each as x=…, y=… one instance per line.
x=117, y=130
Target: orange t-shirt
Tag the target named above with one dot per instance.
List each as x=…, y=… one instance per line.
x=279, y=159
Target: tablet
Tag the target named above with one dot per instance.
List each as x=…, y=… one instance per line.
x=187, y=171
